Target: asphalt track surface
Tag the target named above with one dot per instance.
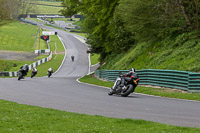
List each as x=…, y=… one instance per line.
x=63, y=92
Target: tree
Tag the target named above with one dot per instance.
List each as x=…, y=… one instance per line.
x=115, y=26
x=70, y=7
x=26, y=6
x=157, y=19
x=98, y=15
x=10, y=9
x=4, y=12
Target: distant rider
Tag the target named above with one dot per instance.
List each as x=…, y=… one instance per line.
x=72, y=57
x=24, y=69
x=34, y=72
x=50, y=70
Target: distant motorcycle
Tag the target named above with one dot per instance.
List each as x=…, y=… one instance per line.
x=20, y=74
x=127, y=89
x=72, y=57
x=34, y=72
x=49, y=72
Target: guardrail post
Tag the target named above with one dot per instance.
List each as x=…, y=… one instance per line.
x=194, y=82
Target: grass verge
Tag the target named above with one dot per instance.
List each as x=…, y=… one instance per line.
x=47, y=7
x=94, y=58
x=18, y=36
x=54, y=63
x=58, y=56
x=12, y=65
x=19, y=118
x=164, y=92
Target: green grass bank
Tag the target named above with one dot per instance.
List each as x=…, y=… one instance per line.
x=180, y=53
x=20, y=37
x=17, y=36
x=58, y=55
x=46, y=7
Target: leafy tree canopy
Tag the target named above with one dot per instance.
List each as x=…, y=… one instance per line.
x=116, y=26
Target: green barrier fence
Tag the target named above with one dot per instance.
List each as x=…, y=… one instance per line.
x=183, y=80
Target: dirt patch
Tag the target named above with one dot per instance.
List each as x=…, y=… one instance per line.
x=58, y=52
x=170, y=90
x=17, y=55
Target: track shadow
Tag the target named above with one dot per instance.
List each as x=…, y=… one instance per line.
x=130, y=96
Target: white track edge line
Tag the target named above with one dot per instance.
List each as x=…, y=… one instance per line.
x=137, y=93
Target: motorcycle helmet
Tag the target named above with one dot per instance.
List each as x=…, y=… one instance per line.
x=50, y=69
x=132, y=70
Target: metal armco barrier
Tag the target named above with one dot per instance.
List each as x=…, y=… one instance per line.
x=194, y=82
x=182, y=80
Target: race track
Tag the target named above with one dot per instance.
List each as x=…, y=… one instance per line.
x=63, y=92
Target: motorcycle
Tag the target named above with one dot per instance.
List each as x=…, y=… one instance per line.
x=20, y=74
x=128, y=88
x=23, y=71
x=34, y=72
x=49, y=74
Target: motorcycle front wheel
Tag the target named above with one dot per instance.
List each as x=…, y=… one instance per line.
x=32, y=75
x=129, y=89
x=20, y=75
x=111, y=92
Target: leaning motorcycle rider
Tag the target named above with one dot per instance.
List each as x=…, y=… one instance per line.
x=24, y=69
x=34, y=72
x=131, y=75
x=50, y=70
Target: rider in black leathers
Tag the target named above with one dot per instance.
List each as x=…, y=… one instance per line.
x=50, y=71
x=127, y=77
x=34, y=72
x=24, y=69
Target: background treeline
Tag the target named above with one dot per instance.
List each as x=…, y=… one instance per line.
x=118, y=25
x=11, y=9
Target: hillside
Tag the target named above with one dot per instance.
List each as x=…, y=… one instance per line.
x=18, y=36
x=46, y=7
x=142, y=34
x=181, y=53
